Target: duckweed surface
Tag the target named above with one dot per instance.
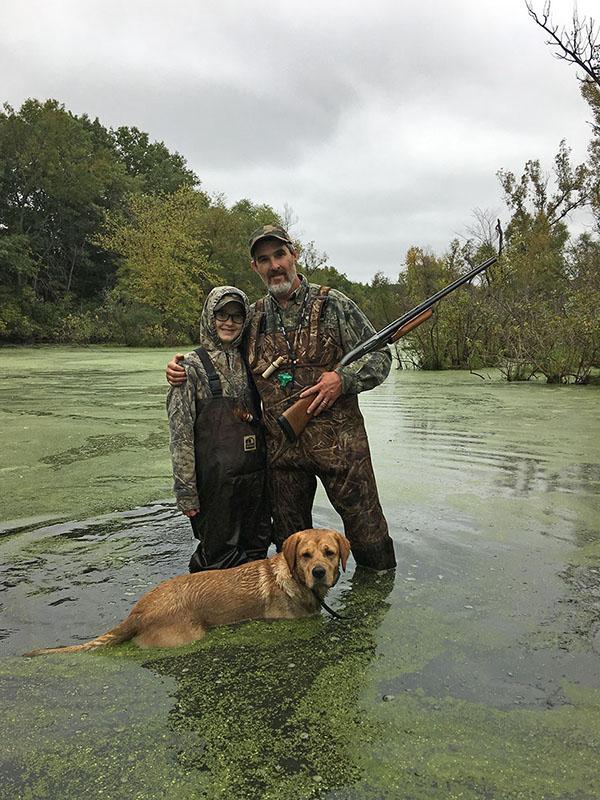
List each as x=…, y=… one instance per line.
x=472, y=672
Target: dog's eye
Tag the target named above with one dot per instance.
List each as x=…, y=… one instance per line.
x=306, y=555
x=329, y=553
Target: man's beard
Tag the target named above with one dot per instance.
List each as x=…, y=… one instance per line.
x=281, y=289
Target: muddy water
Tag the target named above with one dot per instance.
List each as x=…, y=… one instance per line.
x=472, y=672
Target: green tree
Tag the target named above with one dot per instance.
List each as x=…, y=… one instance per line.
x=572, y=338
x=591, y=93
x=534, y=294
x=60, y=175
x=425, y=275
x=150, y=164
x=226, y=232
x=163, y=261
x=56, y=182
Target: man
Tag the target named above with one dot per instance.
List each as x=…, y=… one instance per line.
x=309, y=328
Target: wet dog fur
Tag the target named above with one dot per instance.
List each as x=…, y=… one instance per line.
x=180, y=610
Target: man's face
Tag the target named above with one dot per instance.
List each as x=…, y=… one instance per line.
x=275, y=262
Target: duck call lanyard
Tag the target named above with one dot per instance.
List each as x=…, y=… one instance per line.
x=286, y=378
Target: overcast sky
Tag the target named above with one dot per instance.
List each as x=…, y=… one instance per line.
x=382, y=124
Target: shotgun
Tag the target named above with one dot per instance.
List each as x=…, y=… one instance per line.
x=295, y=418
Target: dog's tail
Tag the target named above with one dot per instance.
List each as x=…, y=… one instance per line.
x=122, y=633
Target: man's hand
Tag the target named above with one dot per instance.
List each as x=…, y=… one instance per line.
x=192, y=512
x=175, y=373
x=327, y=390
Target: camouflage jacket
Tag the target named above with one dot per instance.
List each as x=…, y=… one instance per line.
x=348, y=326
x=181, y=400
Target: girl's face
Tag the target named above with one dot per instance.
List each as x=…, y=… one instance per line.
x=229, y=321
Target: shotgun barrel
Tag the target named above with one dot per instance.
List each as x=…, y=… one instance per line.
x=387, y=335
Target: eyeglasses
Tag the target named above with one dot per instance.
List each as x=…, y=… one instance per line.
x=223, y=316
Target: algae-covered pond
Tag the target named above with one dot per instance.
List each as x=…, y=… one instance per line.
x=472, y=672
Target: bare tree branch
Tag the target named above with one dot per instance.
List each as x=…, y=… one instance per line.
x=578, y=46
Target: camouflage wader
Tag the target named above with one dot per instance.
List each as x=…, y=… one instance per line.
x=333, y=447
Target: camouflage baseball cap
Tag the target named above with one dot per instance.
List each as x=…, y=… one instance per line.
x=270, y=232
x=229, y=298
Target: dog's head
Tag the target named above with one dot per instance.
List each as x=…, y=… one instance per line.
x=314, y=557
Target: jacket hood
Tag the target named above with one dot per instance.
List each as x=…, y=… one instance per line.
x=208, y=331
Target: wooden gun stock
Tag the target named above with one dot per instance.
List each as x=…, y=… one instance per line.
x=294, y=420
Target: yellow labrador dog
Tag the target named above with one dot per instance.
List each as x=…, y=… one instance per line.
x=289, y=585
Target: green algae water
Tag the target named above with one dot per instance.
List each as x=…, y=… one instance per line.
x=473, y=671
x=84, y=430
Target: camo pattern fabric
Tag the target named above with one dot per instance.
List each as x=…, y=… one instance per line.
x=342, y=462
x=344, y=323
x=334, y=445
x=182, y=400
x=269, y=232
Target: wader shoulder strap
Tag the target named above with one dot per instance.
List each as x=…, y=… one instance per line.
x=314, y=320
x=260, y=310
x=214, y=382
x=257, y=327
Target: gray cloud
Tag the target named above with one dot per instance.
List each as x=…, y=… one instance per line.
x=381, y=124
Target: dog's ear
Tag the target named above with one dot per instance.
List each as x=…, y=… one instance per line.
x=344, y=546
x=289, y=548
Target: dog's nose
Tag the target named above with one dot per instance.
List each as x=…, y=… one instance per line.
x=318, y=573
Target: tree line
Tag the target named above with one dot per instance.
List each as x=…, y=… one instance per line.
x=108, y=237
